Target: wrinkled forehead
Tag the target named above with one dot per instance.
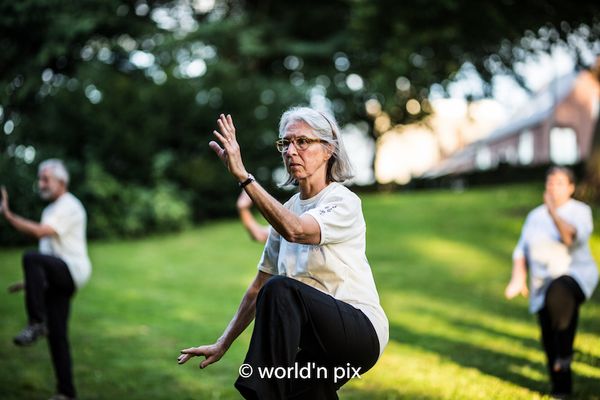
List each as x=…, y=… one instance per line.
x=297, y=129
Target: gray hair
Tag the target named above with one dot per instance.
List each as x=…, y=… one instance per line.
x=57, y=167
x=325, y=128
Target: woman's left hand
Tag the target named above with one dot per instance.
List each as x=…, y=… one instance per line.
x=212, y=353
x=230, y=153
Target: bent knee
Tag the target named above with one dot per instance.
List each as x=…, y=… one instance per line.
x=30, y=257
x=276, y=286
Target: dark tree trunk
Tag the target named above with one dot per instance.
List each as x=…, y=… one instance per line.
x=589, y=190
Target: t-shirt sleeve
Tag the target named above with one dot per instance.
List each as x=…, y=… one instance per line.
x=270, y=255
x=62, y=218
x=340, y=218
x=519, y=251
x=582, y=222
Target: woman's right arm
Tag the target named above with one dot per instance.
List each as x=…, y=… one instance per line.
x=240, y=321
x=518, y=280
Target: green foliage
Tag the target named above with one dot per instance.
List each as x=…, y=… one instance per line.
x=69, y=88
x=132, y=210
x=427, y=41
x=20, y=185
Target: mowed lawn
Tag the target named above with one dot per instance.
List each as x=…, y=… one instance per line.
x=441, y=260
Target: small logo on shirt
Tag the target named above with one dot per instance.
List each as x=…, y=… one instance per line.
x=327, y=209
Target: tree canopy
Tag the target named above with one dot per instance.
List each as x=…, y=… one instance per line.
x=127, y=92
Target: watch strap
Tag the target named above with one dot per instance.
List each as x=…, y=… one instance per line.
x=248, y=181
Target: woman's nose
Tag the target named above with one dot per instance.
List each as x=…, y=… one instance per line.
x=289, y=150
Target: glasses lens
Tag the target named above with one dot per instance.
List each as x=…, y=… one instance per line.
x=302, y=143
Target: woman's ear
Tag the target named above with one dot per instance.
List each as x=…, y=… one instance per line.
x=328, y=151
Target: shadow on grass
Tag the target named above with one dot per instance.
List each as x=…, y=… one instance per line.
x=471, y=326
x=440, y=286
x=471, y=356
x=587, y=358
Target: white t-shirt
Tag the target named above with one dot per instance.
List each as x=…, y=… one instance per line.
x=548, y=258
x=67, y=217
x=338, y=265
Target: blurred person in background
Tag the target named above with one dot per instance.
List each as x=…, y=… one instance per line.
x=554, y=248
x=54, y=272
x=314, y=299
x=256, y=231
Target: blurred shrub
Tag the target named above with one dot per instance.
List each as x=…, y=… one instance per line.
x=19, y=179
x=116, y=209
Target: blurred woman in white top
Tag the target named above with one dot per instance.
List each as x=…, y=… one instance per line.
x=554, y=248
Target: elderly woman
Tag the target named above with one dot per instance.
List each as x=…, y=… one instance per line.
x=318, y=321
x=554, y=247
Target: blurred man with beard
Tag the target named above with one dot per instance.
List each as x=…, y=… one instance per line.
x=54, y=272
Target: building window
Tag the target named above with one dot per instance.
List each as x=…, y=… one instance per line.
x=483, y=158
x=525, y=151
x=563, y=146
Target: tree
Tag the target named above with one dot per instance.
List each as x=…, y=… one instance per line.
x=589, y=189
x=426, y=41
x=128, y=91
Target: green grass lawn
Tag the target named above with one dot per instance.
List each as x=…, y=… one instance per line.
x=440, y=259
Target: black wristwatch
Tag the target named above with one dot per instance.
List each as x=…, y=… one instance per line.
x=247, y=181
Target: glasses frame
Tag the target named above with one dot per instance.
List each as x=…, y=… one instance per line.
x=282, y=147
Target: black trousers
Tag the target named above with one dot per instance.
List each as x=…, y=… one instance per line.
x=49, y=288
x=558, y=322
x=299, y=326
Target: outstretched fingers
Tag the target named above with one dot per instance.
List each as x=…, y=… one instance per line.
x=230, y=123
x=209, y=352
x=186, y=354
x=183, y=358
x=226, y=126
x=222, y=138
x=227, y=147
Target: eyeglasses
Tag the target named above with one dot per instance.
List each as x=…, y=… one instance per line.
x=300, y=143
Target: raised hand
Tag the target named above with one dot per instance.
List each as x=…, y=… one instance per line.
x=4, y=203
x=212, y=354
x=230, y=152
